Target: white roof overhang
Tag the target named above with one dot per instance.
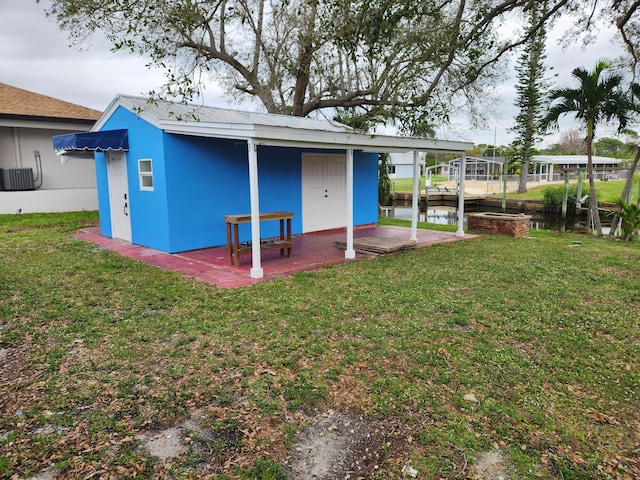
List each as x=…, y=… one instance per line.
x=290, y=137
x=287, y=131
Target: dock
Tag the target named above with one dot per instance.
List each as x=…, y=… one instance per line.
x=439, y=198
x=472, y=202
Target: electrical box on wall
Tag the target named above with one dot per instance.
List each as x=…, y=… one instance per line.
x=12, y=179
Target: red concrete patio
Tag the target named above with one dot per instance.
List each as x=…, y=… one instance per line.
x=310, y=251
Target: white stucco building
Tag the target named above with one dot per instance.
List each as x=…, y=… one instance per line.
x=32, y=177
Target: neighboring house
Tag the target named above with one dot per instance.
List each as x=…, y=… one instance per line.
x=32, y=177
x=401, y=165
x=552, y=167
x=547, y=168
x=169, y=173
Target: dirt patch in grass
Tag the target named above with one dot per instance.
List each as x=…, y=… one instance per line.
x=166, y=444
x=493, y=465
x=337, y=445
x=330, y=445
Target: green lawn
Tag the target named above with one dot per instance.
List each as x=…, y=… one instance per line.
x=606, y=191
x=406, y=184
x=527, y=347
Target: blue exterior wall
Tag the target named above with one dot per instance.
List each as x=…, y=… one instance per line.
x=199, y=180
x=148, y=210
x=365, y=188
x=209, y=179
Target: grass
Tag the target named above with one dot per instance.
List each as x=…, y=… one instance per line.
x=426, y=225
x=542, y=331
x=406, y=184
x=607, y=191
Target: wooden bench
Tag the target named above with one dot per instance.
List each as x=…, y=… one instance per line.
x=235, y=248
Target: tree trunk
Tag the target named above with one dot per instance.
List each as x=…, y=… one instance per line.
x=593, y=199
x=524, y=170
x=627, y=188
x=304, y=62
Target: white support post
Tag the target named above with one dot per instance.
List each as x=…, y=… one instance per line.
x=415, y=198
x=256, y=266
x=350, y=251
x=463, y=173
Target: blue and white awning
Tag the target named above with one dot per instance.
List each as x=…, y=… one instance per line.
x=89, y=142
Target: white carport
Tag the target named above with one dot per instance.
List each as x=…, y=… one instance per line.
x=258, y=129
x=351, y=142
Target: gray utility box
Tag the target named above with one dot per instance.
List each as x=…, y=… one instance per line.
x=16, y=179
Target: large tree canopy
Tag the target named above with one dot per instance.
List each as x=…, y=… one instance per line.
x=368, y=60
x=364, y=61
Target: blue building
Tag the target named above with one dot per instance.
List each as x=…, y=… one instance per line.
x=168, y=173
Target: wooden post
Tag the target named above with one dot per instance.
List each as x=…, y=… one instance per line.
x=565, y=194
x=579, y=191
x=426, y=200
x=504, y=184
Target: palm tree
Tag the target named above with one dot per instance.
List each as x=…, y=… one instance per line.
x=628, y=184
x=599, y=99
x=635, y=92
x=629, y=214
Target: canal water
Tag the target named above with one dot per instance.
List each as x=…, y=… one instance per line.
x=440, y=216
x=449, y=216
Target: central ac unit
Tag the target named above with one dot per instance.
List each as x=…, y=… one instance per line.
x=12, y=179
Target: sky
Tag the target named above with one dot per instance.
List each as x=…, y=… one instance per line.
x=36, y=56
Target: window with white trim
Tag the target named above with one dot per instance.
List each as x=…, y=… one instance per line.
x=145, y=172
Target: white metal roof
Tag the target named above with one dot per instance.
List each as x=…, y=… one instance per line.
x=574, y=160
x=268, y=128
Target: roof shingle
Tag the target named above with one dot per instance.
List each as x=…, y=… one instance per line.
x=16, y=101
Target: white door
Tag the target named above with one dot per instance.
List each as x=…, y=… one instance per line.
x=118, y=195
x=323, y=192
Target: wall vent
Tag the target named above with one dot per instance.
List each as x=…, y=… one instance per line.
x=16, y=179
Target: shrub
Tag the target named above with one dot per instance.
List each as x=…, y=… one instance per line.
x=629, y=214
x=552, y=197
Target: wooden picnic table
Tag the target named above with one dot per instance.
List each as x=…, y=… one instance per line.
x=235, y=248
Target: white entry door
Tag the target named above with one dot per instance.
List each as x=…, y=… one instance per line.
x=323, y=191
x=118, y=195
